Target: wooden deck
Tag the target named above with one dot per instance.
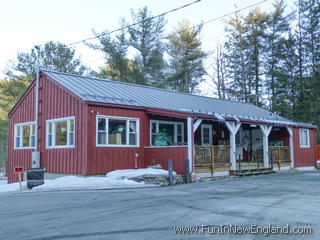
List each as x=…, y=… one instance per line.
x=210, y=159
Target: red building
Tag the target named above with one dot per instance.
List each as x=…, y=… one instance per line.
x=90, y=126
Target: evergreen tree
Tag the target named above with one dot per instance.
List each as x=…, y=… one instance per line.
x=277, y=46
x=185, y=58
x=256, y=25
x=237, y=61
x=145, y=36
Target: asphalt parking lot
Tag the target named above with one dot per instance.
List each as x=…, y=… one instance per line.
x=152, y=213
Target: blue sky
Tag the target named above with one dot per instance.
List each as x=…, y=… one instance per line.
x=25, y=23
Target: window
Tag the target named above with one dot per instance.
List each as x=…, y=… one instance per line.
x=163, y=133
x=61, y=133
x=24, y=135
x=304, y=138
x=206, y=134
x=117, y=131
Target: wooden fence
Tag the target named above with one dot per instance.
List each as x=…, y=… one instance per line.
x=212, y=158
x=279, y=156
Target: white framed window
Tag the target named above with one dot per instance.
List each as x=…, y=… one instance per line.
x=166, y=133
x=206, y=134
x=304, y=138
x=25, y=135
x=112, y=131
x=60, y=133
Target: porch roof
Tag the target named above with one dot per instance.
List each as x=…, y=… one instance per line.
x=114, y=92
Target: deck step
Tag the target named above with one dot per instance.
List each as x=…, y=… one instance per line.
x=250, y=172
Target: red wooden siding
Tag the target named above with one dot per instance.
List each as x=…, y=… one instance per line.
x=304, y=157
x=24, y=113
x=161, y=155
x=105, y=159
x=318, y=152
x=54, y=102
x=57, y=102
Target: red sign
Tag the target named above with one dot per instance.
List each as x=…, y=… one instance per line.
x=18, y=169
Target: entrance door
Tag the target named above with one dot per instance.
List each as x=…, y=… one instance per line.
x=206, y=134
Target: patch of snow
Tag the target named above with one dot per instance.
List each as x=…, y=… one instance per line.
x=132, y=173
x=75, y=182
x=12, y=187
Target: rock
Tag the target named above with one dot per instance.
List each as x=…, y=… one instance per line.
x=158, y=179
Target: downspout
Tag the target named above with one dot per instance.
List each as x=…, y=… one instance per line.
x=37, y=101
x=190, y=144
x=35, y=157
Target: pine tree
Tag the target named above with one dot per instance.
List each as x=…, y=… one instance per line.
x=186, y=58
x=145, y=36
x=277, y=50
x=236, y=57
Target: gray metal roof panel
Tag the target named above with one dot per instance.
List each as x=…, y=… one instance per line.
x=113, y=92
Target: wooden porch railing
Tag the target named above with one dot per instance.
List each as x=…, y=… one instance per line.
x=279, y=156
x=215, y=158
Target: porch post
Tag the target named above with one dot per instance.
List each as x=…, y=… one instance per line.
x=190, y=142
x=289, y=129
x=265, y=132
x=233, y=129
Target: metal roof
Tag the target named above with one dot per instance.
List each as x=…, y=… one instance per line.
x=114, y=92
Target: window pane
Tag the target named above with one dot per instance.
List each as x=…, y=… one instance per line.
x=165, y=136
x=133, y=126
x=33, y=141
x=179, y=139
x=117, y=132
x=72, y=125
x=102, y=124
x=102, y=138
x=61, y=133
x=71, y=138
x=153, y=139
x=33, y=129
x=132, y=139
x=26, y=136
x=206, y=135
x=49, y=140
x=306, y=138
x=18, y=131
x=179, y=129
x=17, y=142
x=50, y=128
x=154, y=128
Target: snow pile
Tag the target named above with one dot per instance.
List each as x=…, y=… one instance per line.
x=74, y=182
x=13, y=187
x=134, y=173
x=115, y=179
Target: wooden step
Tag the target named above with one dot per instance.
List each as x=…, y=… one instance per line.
x=255, y=171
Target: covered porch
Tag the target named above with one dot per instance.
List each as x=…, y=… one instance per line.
x=233, y=147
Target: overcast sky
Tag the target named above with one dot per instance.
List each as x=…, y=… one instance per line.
x=25, y=23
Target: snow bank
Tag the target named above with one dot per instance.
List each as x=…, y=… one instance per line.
x=133, y=173
x=73, y=182
x=13, y=187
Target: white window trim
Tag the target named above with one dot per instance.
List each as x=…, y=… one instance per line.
x=210, y=134
x=175, y=131
x=301, y=130
x=21, y=135
x=127, y=131
x=54, y=132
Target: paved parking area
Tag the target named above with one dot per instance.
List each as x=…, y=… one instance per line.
x=152, y=213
